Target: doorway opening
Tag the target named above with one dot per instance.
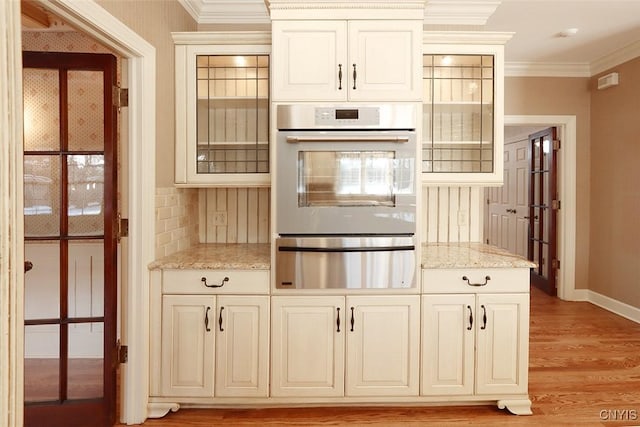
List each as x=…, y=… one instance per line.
x=90, y=18
x=518, y=128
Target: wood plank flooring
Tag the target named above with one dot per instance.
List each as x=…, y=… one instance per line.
x=583, y=361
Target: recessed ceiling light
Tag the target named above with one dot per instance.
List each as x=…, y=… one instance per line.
x=568, y=32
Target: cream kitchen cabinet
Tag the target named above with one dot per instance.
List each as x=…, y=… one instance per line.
x=332, y=346
x=187, y=345
x=475, y=335
x=242, y=346
x=212, y=342
x=222, y=108
x=462, y=129
x=214, y=349
x=347, y=60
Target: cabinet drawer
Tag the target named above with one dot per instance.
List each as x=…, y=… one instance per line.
x=238, y=282
x=451, y=280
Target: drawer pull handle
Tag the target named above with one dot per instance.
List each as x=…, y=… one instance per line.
x=204, y=281
x=470, y=318
x=486, y=280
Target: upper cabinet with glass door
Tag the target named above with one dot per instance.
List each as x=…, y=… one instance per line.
x=462, y=134
x=222, y=109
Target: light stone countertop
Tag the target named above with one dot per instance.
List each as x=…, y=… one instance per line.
x=256, y=256
x=470, y=255
x=218, y=256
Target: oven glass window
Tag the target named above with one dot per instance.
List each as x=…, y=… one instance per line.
x=346, y=178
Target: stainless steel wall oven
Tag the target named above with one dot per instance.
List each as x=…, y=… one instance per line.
x=345, y=187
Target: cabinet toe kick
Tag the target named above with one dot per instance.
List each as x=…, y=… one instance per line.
x=516, y=406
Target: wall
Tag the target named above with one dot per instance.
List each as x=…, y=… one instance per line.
x=154, y=21
x=614, y=245
x=562, y=96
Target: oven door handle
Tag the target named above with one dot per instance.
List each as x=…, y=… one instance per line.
x=349, y=249
x=396, y=139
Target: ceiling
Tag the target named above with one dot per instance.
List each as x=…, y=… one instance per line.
x=608, y=30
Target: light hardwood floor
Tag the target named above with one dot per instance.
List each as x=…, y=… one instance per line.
x=583, y=360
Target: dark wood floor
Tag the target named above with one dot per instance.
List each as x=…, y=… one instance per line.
x=584, y=370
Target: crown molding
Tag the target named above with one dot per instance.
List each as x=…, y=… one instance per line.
x=546, y=69
x=227, y=11
x=436, y=12
x=616, y=58
x=466, y=37
x=459, y=12
x=223, y=37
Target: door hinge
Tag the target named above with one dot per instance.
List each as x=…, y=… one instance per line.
x=120, y=97
x=123, y=227
x=555, y=264
x=123, y=352
x=556, y=144
x=555, y=204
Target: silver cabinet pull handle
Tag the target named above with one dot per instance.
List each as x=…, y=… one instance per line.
x=204, y=281
x=486, y=280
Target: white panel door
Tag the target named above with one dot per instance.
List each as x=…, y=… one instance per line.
x=383, y=346
x=309, y=60
x=242, y=351
x=502, y=343
x=386, y=57
x=508, y=221
x=188, y=345
x=448, y=330
x=307, y=346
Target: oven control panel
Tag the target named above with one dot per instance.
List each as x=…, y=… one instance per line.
x=380, y=116
x=362, y=117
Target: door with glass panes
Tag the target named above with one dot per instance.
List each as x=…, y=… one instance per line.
x=70, y=239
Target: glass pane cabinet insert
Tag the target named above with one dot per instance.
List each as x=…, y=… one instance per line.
x=458, y=115
x=232, y=114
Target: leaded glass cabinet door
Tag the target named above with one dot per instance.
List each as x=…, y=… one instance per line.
x=462, y=132
x=222, y=115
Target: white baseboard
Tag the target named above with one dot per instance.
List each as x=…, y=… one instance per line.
x=620, y=308
x=579, y=295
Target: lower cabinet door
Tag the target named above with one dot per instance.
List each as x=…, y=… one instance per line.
x=242, y=352
x=307, y=336
x=383, y=345
x=502, y=343
x=448, y=330
x=188, y=345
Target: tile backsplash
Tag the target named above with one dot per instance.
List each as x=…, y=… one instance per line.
x=185, y=217
x=176, y=219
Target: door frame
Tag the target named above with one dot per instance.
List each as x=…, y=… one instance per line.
x=567, y=190
x=92, y=19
